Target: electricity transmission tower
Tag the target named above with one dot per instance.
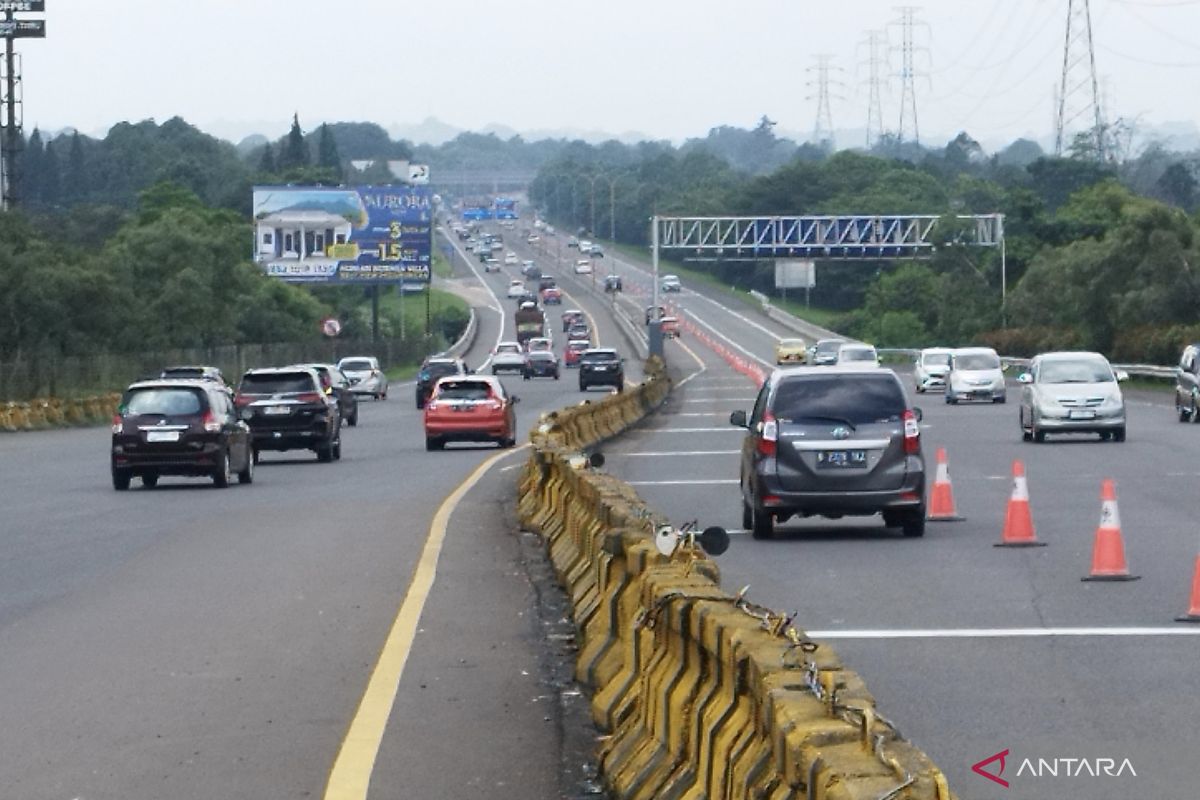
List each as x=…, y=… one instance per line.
x=1079, y=91
x=823, y=127
x=908, y=72
x=876, y=63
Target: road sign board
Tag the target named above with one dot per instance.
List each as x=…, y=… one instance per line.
x=22, y=5
x=23, y=28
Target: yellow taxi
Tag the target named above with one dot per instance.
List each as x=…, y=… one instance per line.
x=790, y=351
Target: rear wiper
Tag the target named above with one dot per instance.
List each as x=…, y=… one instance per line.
x=841, y=420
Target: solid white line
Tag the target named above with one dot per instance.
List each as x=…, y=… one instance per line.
x=497, y=307
x=683, y=483
x=726, y=429
x=1000, y=633
x=732, y=343
x=664, y=453
x=716, y=390
x=697, y=359
x=699, y=414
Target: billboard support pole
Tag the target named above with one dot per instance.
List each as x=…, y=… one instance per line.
x=10, y=179
x=428, y=310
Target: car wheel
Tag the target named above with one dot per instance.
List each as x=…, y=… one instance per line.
x=1039, y=436
x=337, y=447
x=892, y=519
x=762, y=524
x=325, y=452
x=495, y=371
x=433, y=443
x=420, y=403
x=1185, y=414
x=747, y=515
x=256, y=457
x=353, y=421
x=950, y=399
x=525, y=376
x=920, y=389
x=150, y=479
x=221, y=473
x=121, y=479
x=582, y=386
x=1194, y=411
x=1001, y=399
x=246, y=476
x=384, y=395
x=913, y=525
x=555, y=374
x=1118, y=435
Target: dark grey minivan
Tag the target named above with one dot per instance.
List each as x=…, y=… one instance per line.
x=832, y=443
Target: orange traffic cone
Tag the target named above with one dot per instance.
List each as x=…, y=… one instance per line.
x=1193, y=614
x=941, y=497
x=1018, y=521
x=1108, y=553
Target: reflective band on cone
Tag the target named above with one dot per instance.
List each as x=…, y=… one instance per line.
x=941, y=497
x=1108, y=552
x=1018, y=520
x=1193, y=614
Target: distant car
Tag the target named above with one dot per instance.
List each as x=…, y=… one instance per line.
x=824, y=352
x=287, y=409
x=1071, y=392
x=856, y=354
x=1187, y=384
x=508, y=357
x=541, y=364
x=537, y=343
x=491, y=264
x=930, y=368
x=834, y=443
x=601, y=366
x=585, y=246
x=571, y=317
x=470, y=408
x=597, y=251
x=791, y=351
x=975, y=374
x=572, y=242
x=527, y=297
x=510, y=259
x=433, y=369
x=552, y=296
x=669, y=327
x=612, y=283
x=337, y=385
x=516, y=289
x=365, y=376
x=550, y=231
x=670, y=283
x=578, y=331
x=655, y=312
x=573, y=350
x=532, y=238
x=583, y=267
x=178, y=427
x=546, y=282
x=530, y=270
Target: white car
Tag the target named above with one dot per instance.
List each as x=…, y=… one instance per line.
x=857, y=354
x=1072, y=393
x=670, y=283
x=532, y=238
x=583, y=267
x=516, y=289
x=365, y=376
x=539, y=343
x=491, y=265
x=975, y=374
x=508, y=356
x=585, y=246
x=930, y=368
x=510, y=259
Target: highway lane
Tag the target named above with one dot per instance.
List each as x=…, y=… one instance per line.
x=187, y=642
x=969, y=696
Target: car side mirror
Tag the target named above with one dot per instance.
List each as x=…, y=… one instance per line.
x=1024, y=377
x=1122, y=375
x=738, y=419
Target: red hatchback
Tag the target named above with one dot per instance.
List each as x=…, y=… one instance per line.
x=470, y=408
x=574, y=350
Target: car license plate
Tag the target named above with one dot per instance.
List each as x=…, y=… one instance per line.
x=162, y=436
x=841, y=458
x=276, y=411
x=1081, y=414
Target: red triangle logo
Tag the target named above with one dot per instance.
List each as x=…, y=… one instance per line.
x=979, y=768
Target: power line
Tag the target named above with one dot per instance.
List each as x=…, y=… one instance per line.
x=1079, y=92
x=908, y=73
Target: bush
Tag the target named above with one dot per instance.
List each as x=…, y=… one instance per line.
x=1028, y=342
x=1153, y=344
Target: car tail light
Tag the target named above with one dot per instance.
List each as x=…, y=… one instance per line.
x=495, y=405
x=309, y=397
x=431, y=405
x=210, y=422
x=118, y=423
x=768, y=435
x=242, y=400
x=912, y=433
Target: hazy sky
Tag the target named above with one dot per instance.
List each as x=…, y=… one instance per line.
x=668, y=68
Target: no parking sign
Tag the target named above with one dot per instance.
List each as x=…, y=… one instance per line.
x=330, y=327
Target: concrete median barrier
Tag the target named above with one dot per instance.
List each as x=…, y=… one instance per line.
x=702, y=694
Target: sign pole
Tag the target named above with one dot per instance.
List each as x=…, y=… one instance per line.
x=10, y=125
x=375, y=314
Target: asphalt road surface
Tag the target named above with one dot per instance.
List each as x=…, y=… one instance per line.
x=970, y=649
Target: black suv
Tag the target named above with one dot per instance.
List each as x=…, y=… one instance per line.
x=335, y=383
x=833, y=443
x=601, y=366
x=287, y=409
x=179, y=427
x=1187, y=384
x=432, y=369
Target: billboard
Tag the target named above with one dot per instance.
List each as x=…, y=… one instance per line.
x=22, y=28
x=366, y=234
x=506, y=208
x=795, y=274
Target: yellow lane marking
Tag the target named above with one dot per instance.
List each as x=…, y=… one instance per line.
x=351, y=773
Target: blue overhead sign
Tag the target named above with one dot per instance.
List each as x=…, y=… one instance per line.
x=368, y=234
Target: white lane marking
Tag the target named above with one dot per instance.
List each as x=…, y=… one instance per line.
x=741, y=388
x=664, y=453
x=718, y=400
x=699, y=372
x=683, y=483
x=499, y=309
x=726, y=429
x=999, y=633
x=699, y=414
x=511, y=467
x=744, y=351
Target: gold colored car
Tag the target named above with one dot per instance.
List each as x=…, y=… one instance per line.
x=790, y=351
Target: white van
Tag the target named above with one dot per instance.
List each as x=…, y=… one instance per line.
x=975, y=374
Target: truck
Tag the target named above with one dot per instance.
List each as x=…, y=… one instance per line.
x=530, y=321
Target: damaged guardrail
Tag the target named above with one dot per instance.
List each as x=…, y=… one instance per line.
x=701, y=693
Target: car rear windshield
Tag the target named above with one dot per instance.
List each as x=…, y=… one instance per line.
x=859, y=399
x=183, y=372
x=936, y=360
x=828, y=347
x=440, y=369
x=463, y=390
x=598, y=358
x=857, y=354
x=977, y=361
x=357, y=366
x=1088, y=371
x=165, y=402
x=277, y=383
x=509, y=348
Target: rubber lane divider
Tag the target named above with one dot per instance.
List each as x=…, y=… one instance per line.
x=701, y=693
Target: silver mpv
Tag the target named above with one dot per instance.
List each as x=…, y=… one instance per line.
x=1071, y=393
x=832, y=443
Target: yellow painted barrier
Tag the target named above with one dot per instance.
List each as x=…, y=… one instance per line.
x=57, y=413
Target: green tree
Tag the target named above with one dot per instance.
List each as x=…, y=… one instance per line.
x=295, y=152
x=327, y=152
x=267, y=162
